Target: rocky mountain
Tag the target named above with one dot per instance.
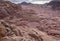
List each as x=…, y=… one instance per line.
x=25, y=3
x=7, y=9
x=55, y=5
x=28, y=23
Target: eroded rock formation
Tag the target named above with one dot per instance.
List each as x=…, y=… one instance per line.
x=19, y=23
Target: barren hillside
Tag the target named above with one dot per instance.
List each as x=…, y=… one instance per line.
x=29, y=23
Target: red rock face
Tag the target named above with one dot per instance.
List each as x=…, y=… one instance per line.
x=8, y=8
x=29, y=23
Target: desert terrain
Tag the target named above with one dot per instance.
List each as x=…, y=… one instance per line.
x=20, y=22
